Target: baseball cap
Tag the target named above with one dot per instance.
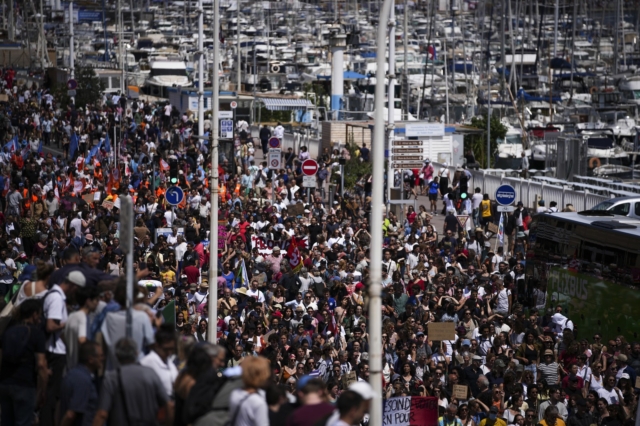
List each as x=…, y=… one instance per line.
x=77, y=278
x=364, y=389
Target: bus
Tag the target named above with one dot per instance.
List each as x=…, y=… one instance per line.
x=589, y=263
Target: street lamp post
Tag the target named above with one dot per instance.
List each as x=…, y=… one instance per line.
x=377, y=201
x=213, y=227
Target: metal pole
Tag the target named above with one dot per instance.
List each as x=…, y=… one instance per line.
x=213, y=227
x=71, y=48
x=489, y=122
x=555, y=32
x=405, y=45
x=341, y=181
x=377, y=196
x=390, y=96
x=200, y=69
x=12, y=32
x=238, y=71
x=126, y=227
x=121, y=48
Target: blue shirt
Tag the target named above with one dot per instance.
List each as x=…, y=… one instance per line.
x=79, y=394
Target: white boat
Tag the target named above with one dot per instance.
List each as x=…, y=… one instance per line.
x=166, y=73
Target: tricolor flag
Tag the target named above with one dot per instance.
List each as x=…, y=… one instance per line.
x=164, y=166
x=79, y=162
x=501, y=229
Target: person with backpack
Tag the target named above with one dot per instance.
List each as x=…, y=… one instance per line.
x=23, y=354
x=55, y=320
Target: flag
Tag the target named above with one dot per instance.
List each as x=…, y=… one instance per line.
x=79, y=162
x=94, y=151
x=73, y=145
x=107, y=143
x=432, y=51
x=12, y=145
x=169, y=313
x=242, y=279
x=501, y=229
x=56, y=192
x=40, y=147
x=293, y=253
x=163, y=165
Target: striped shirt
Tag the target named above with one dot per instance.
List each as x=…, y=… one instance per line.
x=549, y=372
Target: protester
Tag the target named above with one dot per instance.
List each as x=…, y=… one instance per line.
x=294, y=273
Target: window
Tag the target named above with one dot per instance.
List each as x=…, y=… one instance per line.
x=621, y=209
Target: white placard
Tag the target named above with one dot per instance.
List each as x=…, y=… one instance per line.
x=309, y=181
x=225, y=114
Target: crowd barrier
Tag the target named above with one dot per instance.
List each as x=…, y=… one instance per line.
x=528, y=189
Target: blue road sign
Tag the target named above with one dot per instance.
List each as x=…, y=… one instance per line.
x=274, y=143
x=505, y=195
x=174, y=195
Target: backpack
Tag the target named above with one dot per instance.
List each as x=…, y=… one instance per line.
x=16, y=347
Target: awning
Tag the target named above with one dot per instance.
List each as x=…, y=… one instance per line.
x=273, y=104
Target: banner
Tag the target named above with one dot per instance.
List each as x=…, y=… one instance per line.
x=410, y=411
x=501, y=229
x=265, y=246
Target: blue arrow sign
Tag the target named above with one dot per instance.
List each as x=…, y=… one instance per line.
x=505, y=195
x=174, y=195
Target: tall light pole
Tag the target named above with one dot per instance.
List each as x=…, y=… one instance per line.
x=377, y=187
x=213, y=228
x=200, y=69
x=72, y=65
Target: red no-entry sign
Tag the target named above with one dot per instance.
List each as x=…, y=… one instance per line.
x=309, y=167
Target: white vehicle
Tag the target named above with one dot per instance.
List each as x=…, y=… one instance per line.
x=166, y=73
x=624, y=206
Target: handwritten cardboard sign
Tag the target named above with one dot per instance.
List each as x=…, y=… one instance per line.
x=441, y=331
x=107, y=204
x=460, y=392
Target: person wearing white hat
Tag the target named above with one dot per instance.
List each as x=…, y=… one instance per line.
x=56, y=315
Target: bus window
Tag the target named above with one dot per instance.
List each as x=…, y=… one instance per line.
x=621, y=209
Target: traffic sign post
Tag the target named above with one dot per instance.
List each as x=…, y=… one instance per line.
x=505, y=209
x=72, y=84
x=174, y=195
x=505, y=195
x=233, y=104
x=274, y=142
x=310, y=167
x=275, y=159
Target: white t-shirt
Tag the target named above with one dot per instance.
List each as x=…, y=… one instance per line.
x=611, y=396
x=167, y=372
x=76, y=328
x=55, y=308
x=502, y=303
x=476, y=199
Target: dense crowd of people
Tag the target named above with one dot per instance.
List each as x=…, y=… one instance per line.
x=293, y=276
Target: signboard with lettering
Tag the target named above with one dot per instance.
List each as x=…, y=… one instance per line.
x=441, y=331
x=410, y=411
x=413, y=130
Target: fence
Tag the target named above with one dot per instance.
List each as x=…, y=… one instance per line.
x=528, y=190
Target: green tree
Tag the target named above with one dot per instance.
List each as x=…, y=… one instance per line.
x=354, y=169
x=89, y=90
x=478, y=143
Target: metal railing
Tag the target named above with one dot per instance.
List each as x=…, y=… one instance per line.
x=530, y=191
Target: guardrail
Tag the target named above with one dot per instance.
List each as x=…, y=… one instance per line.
x=528, y=189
